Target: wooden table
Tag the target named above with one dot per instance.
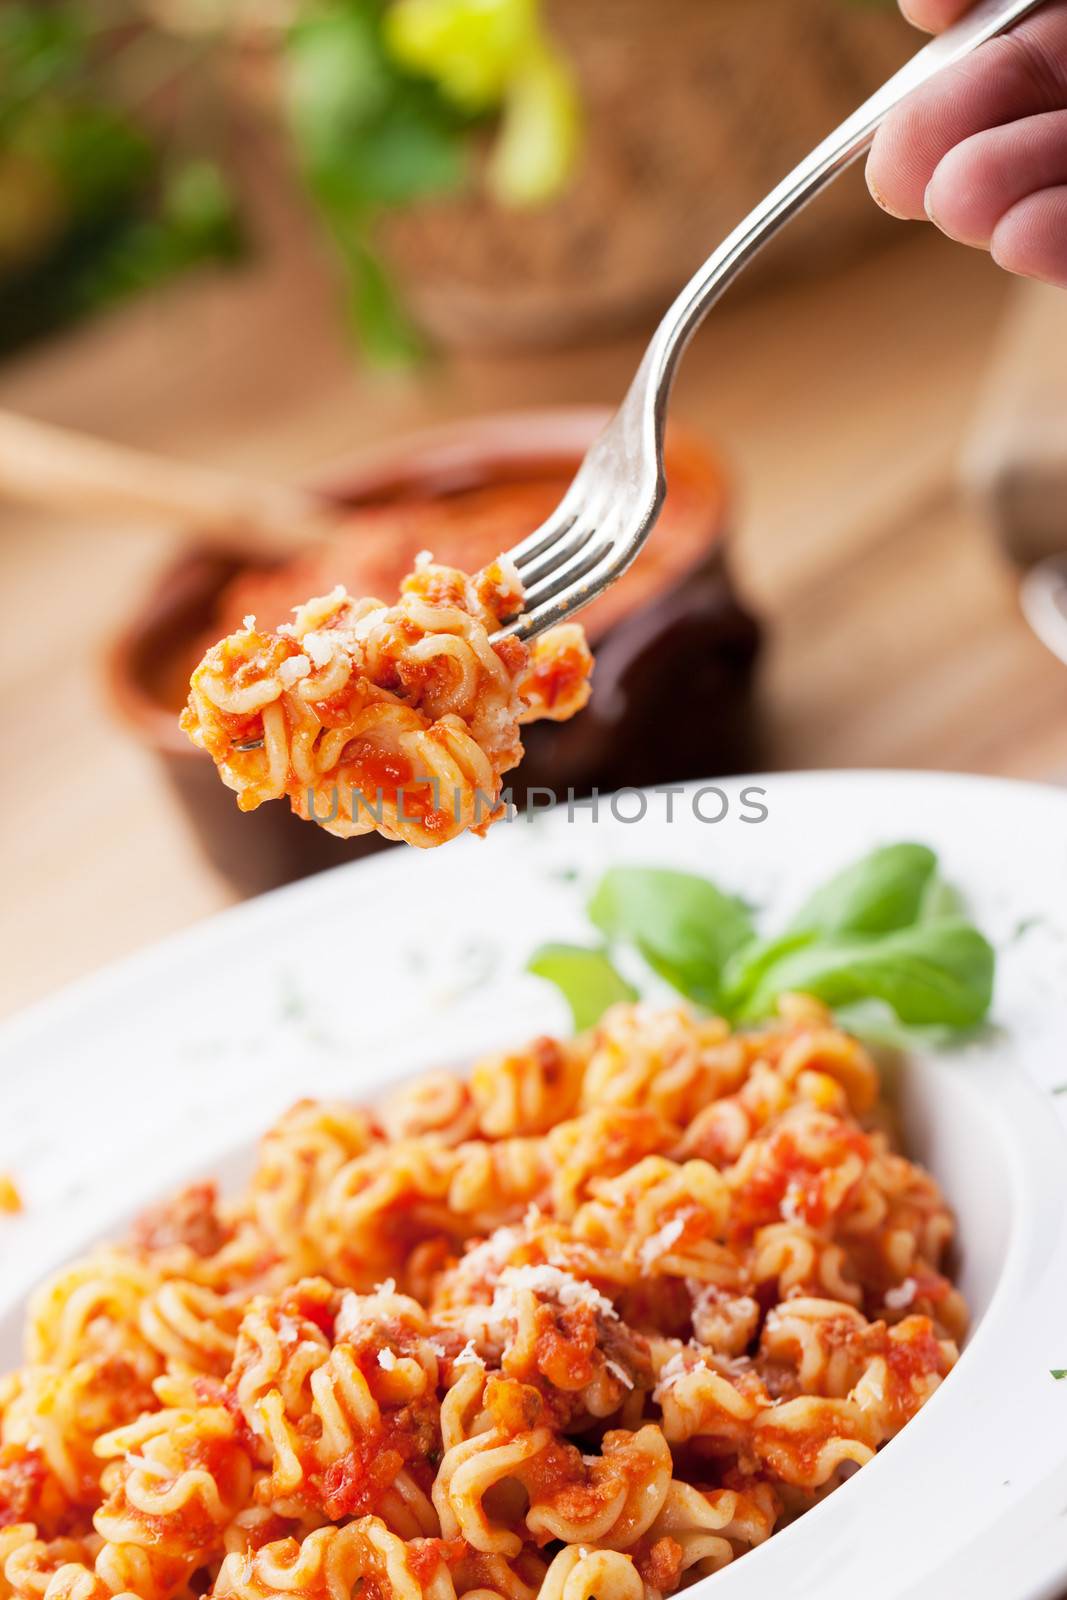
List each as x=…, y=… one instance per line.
x=840, y=404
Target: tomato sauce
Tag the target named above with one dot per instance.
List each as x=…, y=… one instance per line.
x=565, y=1347
x=555, y=680
x=350, y=1487
x=425, y=1556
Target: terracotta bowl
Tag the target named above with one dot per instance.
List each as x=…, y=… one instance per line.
x=675, y=649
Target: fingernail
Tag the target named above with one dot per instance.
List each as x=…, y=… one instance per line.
x=880, y=200
x=928, y=205
x=960, y=235
x=909, y=16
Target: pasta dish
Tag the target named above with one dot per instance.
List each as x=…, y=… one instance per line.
x=587, y=1324
x=397, y=719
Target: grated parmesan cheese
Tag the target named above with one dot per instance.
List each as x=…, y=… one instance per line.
x=620, y=1372
x=678, y=1366
x=660, y=1243
x=292, y=670
x=555, y=1284
x=366, y=625
x=386, y=1360
x=349, y=1315
x=492, y=1325
x=249, y=623
x=467, y=1355
x=355, y=1311
x=321, y=647
x=902, y=1296
x=509, y=572
x=491, y=1255
x=789, y=1209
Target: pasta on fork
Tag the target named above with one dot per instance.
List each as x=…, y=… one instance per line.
x=397, y=719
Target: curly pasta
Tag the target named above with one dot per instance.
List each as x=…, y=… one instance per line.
x=397, y=719
x=587, y=1325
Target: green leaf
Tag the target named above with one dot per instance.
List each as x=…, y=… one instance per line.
x=746, y=968
x=405, y=158
x=367, y=134
x=877, y=1024
x=934, y=973
x=586, y=978
x=336, y=82
x=98, y=156
x=42, y=48
x=940, y=900
x=1059, y=1373
x=684, y=926
x=371, y=137
x=376, y=315
x=883, y=891
x=200, y=209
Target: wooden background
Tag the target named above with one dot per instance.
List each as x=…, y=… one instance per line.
x=840, y=405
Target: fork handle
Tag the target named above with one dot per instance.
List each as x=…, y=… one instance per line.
x=983, y=22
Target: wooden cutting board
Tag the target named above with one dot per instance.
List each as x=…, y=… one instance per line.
x=1015, y=461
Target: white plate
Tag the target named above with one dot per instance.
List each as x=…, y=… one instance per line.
x=169, y=1064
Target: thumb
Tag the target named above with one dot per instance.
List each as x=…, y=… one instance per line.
x=933, y=15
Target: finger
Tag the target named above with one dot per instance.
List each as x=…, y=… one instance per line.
x=934, y=15
x=1032, y=238
x=979, y=181
x=1020, y=75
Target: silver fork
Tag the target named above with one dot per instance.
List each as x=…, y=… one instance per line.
x=611, y=507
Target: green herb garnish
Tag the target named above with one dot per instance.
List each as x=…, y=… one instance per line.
x=586, y=979
x=685, y=927
x=884, y=940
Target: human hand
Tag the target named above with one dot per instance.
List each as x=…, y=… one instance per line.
x=981, y=150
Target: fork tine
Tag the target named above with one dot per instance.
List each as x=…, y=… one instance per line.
x=583, y=580
x=585, y=587
x=586, y=556
x=543, y=538
x=561, y=552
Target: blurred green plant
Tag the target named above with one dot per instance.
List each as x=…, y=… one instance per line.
x=94, y=205
x=492, y=57
x=387, y=103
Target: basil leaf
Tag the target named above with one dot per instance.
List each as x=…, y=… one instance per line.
x=940, y=900
x=936, y=972
x=684, y=926
x=877, y=1024
x=586, y=979
x=746, y=968
x=877, y=894
x=1059, y=1373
